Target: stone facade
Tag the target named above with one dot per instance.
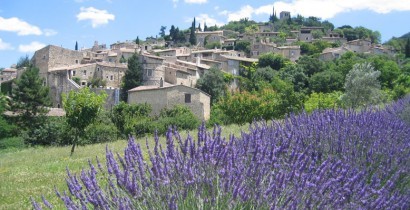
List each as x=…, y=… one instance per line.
x=8, y=74
x=291, y=52
x=167, y=97
x=112, y=73
x=153, y=69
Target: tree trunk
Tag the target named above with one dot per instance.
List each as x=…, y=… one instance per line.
x=72, y=149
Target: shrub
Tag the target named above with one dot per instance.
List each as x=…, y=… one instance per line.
x=51, y=132
x=178, y=116
x=12, y=143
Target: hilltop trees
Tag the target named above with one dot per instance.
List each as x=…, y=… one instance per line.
x=192, y=37
x=407, y=48
x=133, y=76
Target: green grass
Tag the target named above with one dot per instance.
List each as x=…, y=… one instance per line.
x=33, y=172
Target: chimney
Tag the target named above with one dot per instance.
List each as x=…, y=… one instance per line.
x=161, y=83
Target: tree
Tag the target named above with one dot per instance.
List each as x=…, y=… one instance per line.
x=82, y=108
x=407, y=48
x=205, y=27
x=275, y=61
x=122, y=59
x=192, y=37
x=362, y=86
x=294, y=74
x=162, y=31
x=311, y=65
x=199, y=27
x=137, y=41
x=133, y=76
x=76, y=46
x=213, y=83
x=326, y=81
x=30, y=98
x=23, y=62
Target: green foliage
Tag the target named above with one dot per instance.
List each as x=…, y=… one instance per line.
x=295, y=75
x=77, y=80
x=51, y=132
x=407, y=48
x=213, y=45
x=127, y=116
x=362, y=87
x=311, y=65
x=179, y=116
x=162, y=31
x=389, y=70
x=213, y=82
x=360, y=32
x=243, y=46
x=192, y=36
x=98, y=82
x=133, y=76
x=76, y=46
x=23, y=62
x=238, y=26
x=82, y=108
x=322, y=101
x=6, y=87
x=30, y=98
x=102, y=130
x=11, y=143
x=326, y=81
x=122, y=59
x=275, y=61
x=313, y=48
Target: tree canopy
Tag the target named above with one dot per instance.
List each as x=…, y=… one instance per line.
x=133, y=76
x=213, y=83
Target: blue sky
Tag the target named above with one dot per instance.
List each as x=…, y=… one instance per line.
x=28, y=25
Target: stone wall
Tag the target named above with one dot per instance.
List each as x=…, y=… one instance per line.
x=112, y=97
x=153, y=69
x=111, y=73
x=59, y=83
x=59, y=57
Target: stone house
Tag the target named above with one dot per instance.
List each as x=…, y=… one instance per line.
x=112, y=73
x=233, y=65
x=153, y=68
x=306, y=35
x=160, y=97
x=284, y=15
x=8, y=74
x=290, y=52
x=359, y=45
x=210, y=36
x=332, y=53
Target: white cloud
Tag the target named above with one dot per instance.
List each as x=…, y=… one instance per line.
x=5, y=45
x=49, y=32
x=204, y=18
x=21, y=27
x=216, y=8
x=244, y=12
x=324, y=9
x=32, y=47
x=96, y=16
x=196, y=1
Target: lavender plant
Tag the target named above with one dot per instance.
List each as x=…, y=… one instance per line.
x=334, y=159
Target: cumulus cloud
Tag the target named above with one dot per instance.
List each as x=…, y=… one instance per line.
x=324, y=9
x=32, y=47
x=196, y=1
x=5, y=45
x=21, y=27
x=205, y=18
x=49, y=32
x=96, y=16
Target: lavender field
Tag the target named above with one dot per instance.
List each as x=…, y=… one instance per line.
x=331, y=159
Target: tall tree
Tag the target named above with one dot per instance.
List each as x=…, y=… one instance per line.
x=30, y=98
x=172, y=33
x=213, y=83
x=192, y=37
x=162, y=31
x=82, y=108
x=133, y=76
x=76, y=46
x=23, y=62
x=199, y=27
x=205, y=27
x=362, y=86
x=137, y=41
x=407, y=48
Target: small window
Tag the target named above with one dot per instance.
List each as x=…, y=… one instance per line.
x=44, y=57
x=187, y=98
x=83, y=83
x=98, y=68
x=111, y=77
x=149, y=72
x=85, y=72
x=76, y=61
x=58, y=106
x=73, y=73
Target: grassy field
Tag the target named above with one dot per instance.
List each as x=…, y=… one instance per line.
x=33, y=172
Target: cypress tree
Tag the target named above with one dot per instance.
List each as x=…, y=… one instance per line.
x=407, y=49
x=192, y=37
x=76, y=46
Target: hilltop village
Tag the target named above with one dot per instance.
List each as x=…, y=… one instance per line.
x=171, y=70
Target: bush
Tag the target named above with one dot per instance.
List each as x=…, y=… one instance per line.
x=12, y=142
x=7, y=129
x=178, y=116
x=100, y=132
x=51, y=132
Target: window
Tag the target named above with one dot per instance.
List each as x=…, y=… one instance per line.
x=83, y=83
x=111, y=77
x=76, y=61
x=73, y=73
x=149, y=72
x=98, y=68
x=44, y=57
x=187, y=98
x=85, y=72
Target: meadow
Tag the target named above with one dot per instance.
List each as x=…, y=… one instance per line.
x=33, y=172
